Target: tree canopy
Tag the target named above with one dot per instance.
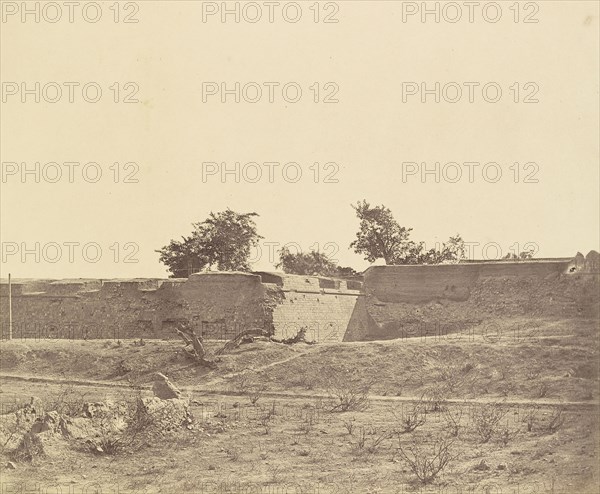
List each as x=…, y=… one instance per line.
x=380, y=236
x=313, y=263
x=223, y=241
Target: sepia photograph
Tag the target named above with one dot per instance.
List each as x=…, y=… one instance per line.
x=300, y=247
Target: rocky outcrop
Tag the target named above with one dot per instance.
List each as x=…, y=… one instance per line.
x=164, y=415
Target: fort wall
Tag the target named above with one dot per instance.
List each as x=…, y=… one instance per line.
x=420, y=300
x=392, y=302
x=217, y=305
x=323, y=306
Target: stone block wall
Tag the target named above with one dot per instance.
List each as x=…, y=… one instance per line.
x=392, y=302
x=323, y=306
x=214, y=304
x=437, y=300
x=217, y=305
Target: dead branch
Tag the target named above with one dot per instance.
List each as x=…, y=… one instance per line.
x=198, y=353
x=247, y=335
x=299, y=338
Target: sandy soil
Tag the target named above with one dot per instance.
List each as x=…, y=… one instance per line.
x=289, y=440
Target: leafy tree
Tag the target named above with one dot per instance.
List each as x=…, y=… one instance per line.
x=346, y=272
x=222, y=241
x=381, y=237
x=183, y=258
x=312, y=264
x=451, y=251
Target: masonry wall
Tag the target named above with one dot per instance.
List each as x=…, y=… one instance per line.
x=409, y=301
x=323, y=306
x=393, y=302
x=216, y=305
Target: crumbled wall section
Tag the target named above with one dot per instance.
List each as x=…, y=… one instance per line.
x=438, y=300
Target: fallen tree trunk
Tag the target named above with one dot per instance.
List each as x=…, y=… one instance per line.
x=198, y=353
x=184, y=337
x=299, y=338
x=239, y=339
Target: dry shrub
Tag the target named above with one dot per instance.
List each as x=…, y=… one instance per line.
x=109, y=441
x=250, y=384
x=30, y=448
x=486, y=418
x=557, y=419
x=452, y=420
x=433, y=399
x=349, y=425
x=455, y=378
x=427, y=463
x=68, y=402
x=411, y=418
x=242, y=381
x=307, y=424
x=265, y=420
x=531, y=416
x=370, y=440
x=506, y=434
x=255, y=392
x=347, y=395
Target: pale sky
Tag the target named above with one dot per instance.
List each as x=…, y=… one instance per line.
x=369, y=133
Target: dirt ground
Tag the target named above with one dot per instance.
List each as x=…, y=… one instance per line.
x=271, y=418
